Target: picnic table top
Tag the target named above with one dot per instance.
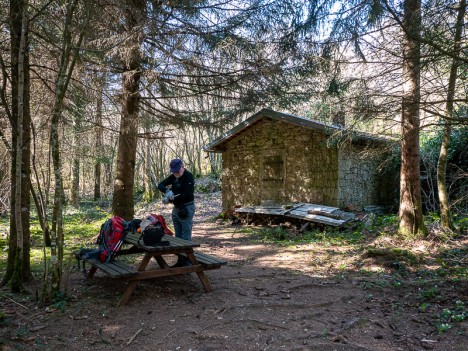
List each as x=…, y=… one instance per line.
x=168, y=242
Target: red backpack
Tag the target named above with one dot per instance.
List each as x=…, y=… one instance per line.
x=155, y=219
x=111, y=237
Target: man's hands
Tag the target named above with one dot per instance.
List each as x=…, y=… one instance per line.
x=170, y=194
x=169, y=197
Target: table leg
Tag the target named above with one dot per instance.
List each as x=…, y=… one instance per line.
x=133, y=283
x=144, y=262
x=128, y=292
x=205, y=282
x=91, y=272
x=161, y=261
x=201, y=275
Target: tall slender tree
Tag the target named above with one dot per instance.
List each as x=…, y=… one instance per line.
x=445, y=215
x=69, y=53
x=18, y=265
x=98, y=136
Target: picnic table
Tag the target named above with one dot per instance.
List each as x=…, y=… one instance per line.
x=170, y=245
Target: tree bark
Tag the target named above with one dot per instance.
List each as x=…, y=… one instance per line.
x=411, y=216
x=39, y=198
x=18, y=265
x=123, y=202
x=148, y=195
x=75, y=181
x=445, y=215
x=68, y=57
x=17, y=279
x=98, y=140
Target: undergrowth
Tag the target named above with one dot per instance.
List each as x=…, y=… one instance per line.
x=81, y=226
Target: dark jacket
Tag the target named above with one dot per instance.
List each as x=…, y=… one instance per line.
x=183, y=187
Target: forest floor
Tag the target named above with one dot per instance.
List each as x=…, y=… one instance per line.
x=322, y=295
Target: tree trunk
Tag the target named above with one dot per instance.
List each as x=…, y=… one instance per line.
x=17, y=279
x=98, y=141
x=75, y=181
x=445, y=216
x=148, y=196
x=18, y=266
x=39, y=198
x=26, y=165
x=411, y=217
x=108, y=178
x=68, y=57
x=123, y=203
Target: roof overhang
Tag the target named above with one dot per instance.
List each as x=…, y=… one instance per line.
x=218, y=145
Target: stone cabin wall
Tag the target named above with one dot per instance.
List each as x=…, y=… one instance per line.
x=278, y=162
x=360, y=182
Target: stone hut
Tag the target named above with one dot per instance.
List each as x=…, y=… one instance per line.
x=278, y=158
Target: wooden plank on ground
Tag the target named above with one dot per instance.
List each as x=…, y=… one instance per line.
x=316, y=218
x=307, y=211
x=262, y=210
x=317, y=209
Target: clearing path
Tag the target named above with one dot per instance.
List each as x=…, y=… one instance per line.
x=268, y=297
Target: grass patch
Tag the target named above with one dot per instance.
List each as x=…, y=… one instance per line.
x=429, y=294
x=393, y=254
x=449, y=316
x=80, y=228
x=283, y=236
x=334, y=237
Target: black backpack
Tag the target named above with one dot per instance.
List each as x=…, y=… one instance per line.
x=152, y=235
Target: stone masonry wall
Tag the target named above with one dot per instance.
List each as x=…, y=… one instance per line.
x=309, y=170
x=359, y=182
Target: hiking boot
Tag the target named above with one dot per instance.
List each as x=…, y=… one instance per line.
x=182, y=262
x=178, y=264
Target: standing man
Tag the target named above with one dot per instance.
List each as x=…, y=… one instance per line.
x=178, y=189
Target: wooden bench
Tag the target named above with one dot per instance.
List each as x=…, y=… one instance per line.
x=208, y=261
x=115, y=269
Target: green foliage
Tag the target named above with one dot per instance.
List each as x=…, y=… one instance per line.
x=457, y=314
x=457, y=165
x=452, y=260
x=424, y=306
x=283, y=236
x=273, y=234
x=60, y=300
x=378, y=284
x=378, y=222
x=335, y=87
x=461, y=223
x=80, y=228
x=207, y=184
x=429, y=294
x=83, y=224
x=442, y=328
x=393, y=253
x=333, y=236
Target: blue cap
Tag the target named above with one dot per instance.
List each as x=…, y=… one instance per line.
x=176, y=164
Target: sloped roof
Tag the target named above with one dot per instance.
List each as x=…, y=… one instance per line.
x=268, y=114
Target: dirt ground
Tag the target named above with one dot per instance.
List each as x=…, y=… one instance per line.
x=268, y=297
